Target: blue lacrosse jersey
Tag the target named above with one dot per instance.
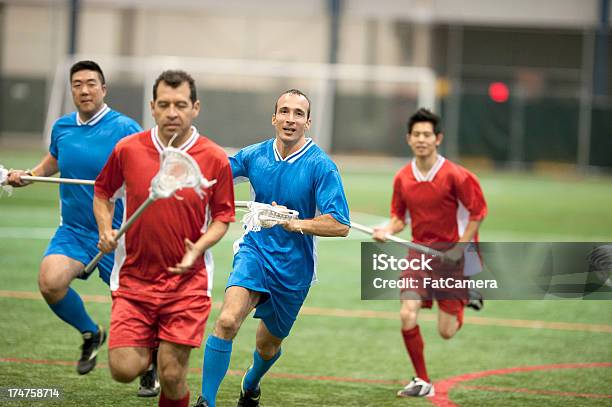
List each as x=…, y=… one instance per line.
x=81, y=150
x=307, y=181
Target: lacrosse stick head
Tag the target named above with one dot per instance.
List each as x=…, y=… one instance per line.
x=260, y=215
x=3, y=180
x=178, y=170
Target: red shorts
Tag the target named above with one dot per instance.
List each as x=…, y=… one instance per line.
x=144, y=322
x=450, y=300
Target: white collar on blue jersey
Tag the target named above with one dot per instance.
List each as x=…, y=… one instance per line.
x=432, y=172
x=291, y=158
x=191, y=140
x=95, y=118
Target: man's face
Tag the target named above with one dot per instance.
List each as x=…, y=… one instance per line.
x=172, y=110
x=87, y=92
x=422, y=139
x=290, y=119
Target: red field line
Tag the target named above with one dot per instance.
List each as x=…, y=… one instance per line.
x=538, y=391
x=345, y=313
x=443, y=388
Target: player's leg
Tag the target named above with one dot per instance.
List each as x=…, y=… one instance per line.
x=127, y=363
x=132, y=336
x=278, y=313
x=237, y=305
x=450, y=317
x=173, y=361
x=267, y=351
x=410, y=306
x=56, y=273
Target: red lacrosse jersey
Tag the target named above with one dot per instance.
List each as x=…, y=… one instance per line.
x=155, y=241
x=438, y=206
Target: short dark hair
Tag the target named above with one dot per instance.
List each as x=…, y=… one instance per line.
x=174, y=79
x=425, y=115
x=293, y=92
x=87, y=66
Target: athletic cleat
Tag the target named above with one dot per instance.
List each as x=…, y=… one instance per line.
x=417, y=388
x=201, y=402
x=476, y=300
x=149, y=382
x=248, y=398
x=89, y=350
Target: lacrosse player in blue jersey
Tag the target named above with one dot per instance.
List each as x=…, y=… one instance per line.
x=81, y=142
x=274, y=268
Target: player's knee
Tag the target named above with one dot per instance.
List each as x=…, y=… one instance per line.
x=267, y=350
x=447, y=332
x=122, y=372
x=171, y=378
x=51, y=288
x=227, y=326
x=124, y=368
x=408, y=318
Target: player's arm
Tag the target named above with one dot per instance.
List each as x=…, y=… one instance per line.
x=45, y=168
x=107, y=183
x=398, y=206
x=470, y=231
x=103, y=211
x=470, y=194
x=324, y=225
x=395, y=225
x=216, y=230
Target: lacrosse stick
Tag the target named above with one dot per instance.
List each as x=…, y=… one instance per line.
x=415, y=246
x=4, y=177
x=260, y=215
x=178, y=170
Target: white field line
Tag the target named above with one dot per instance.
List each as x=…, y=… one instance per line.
x=235, y=232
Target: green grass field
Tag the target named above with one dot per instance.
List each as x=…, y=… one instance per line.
x=343, y=351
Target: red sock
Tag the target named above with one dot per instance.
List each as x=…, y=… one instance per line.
x=414, y=345
x=165, y=402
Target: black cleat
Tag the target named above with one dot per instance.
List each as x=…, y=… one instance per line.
x=476, y=300
x=248, y=398
x=89, y=350
x=201, y=402
x=149, y=381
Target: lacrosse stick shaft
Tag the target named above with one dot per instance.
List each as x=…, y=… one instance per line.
x=415, y=246
x=54, y=180
x=94, y=262
x=241, y=204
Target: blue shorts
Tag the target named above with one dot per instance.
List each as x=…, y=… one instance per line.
x=80, y=245
x=279, y=306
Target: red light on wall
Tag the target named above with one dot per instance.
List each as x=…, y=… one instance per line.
x=499, y=92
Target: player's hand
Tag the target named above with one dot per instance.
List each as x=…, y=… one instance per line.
x=14, y=178
x=189, y=258
x=107, y=242
x=292, y=225
x=454, y=255
x=380, y=235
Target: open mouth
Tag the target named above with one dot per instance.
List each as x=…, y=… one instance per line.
x=289, y=130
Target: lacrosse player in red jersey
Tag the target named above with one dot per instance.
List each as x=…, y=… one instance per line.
x=444, y=204
x=162, y=279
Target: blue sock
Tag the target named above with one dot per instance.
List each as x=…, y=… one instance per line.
x=72, y=311
x=217, y=356
x=259, y=368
